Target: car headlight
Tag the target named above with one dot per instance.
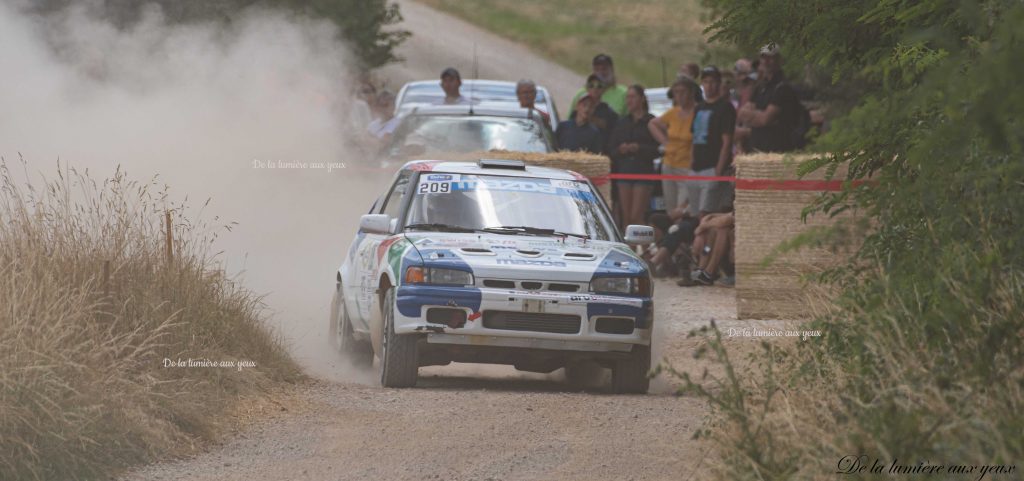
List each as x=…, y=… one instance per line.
x=431, y=275
x=633, y=286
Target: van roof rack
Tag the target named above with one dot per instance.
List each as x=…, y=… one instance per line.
x=502, y=164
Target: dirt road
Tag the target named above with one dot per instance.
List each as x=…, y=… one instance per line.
x=460, y=422
x=439, y=40
x=465, y=423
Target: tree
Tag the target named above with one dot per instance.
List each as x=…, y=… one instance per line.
x=364, y=24
x=922, y=359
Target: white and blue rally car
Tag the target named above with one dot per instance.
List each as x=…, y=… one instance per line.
x=494, y=262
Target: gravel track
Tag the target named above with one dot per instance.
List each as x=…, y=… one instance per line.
x=465, y=422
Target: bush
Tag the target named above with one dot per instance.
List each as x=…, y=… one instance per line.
x=922, y=359
x=92, y=306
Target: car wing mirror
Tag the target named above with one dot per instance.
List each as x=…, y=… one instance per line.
x=639, y=234
x=375, y=224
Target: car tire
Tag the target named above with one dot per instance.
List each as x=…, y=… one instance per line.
x=359, y=353
x=629, y=376
x=399, y=362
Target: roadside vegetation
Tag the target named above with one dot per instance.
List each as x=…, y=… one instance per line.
x=638, y=35
x=921, y=358
x=96, y=300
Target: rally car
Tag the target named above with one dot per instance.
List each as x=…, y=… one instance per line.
x=494, y=262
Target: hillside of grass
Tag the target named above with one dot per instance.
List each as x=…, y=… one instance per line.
x=119, y=345
x=641, y=36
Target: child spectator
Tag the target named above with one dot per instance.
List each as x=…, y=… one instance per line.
x=578, y=132
x=602, y=115
x=675, y=241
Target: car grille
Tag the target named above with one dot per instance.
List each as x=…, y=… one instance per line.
x=614, y=325
x=532, y=321
x=532, y=285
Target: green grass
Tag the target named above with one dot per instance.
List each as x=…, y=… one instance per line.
x=640, y=36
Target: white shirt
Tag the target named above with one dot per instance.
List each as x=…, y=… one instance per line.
x=380, y=127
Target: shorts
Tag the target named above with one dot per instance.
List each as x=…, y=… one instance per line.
x=636, y=182
x=708, y=195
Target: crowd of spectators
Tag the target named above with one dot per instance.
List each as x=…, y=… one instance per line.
x=715, y=116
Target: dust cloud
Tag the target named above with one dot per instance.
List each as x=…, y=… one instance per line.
x=203, y=106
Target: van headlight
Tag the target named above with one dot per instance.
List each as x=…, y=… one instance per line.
x=631, y=286
x=431, y=275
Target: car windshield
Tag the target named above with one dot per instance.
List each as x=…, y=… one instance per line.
x=432, y=134
x=490, y=201
x=432, y=93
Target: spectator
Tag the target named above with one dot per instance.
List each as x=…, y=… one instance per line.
x=360, y=114
x=451, y=82
x=385, y=121
x=676, y=241
x=633, y=150
x=578, y=132
x=526, y=91
x=713, y=246
x=614, y=95
x=691, y=70
x=746, y=82
x=602, y=115
x=672, y=130
x=774, y=115
x=713, y=125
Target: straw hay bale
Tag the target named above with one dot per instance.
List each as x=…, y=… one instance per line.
x=765, y=219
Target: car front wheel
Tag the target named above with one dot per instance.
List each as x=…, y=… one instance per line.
x=399, y=363
x=629, y=376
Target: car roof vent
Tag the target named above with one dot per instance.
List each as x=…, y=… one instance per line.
x=502, y=164
x=477, y=251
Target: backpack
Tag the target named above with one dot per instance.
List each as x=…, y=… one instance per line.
x=798, y=137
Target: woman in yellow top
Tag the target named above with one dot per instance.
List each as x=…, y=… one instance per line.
x=672, y=130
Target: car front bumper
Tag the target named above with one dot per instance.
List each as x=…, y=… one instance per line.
x=528, y=319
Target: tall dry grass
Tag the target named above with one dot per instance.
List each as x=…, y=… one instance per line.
x=91, y=305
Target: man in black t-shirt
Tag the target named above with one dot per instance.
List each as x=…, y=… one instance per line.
x=713, y=124
x=773, y=114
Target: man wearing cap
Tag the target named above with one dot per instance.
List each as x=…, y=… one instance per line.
x=614, y=94
x=774, y=112
x=451, y=81
x=713, y=125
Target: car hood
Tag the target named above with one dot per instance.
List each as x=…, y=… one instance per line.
x=496, y=256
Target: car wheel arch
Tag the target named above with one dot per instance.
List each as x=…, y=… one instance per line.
x=377, y=316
